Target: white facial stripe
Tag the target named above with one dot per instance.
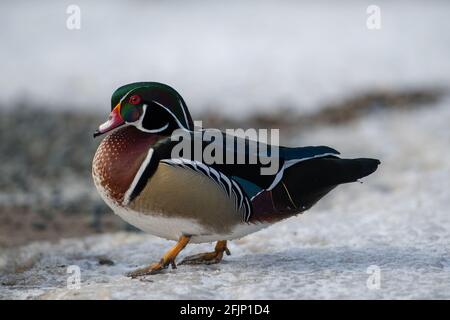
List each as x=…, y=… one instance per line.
x=155, y=130
x=184, y=111
x=124, y=96
x=138, y=123
x=176, y=119
x=141, y=118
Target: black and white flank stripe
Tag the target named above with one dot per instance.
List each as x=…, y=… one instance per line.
x=228, y=185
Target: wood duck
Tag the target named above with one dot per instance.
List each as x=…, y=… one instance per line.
x=185, y=199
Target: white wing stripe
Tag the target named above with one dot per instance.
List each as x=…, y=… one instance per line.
x=290, y=163
x=229, y=186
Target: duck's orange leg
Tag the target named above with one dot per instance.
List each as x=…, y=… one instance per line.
x=167, y=259
x=209, y=257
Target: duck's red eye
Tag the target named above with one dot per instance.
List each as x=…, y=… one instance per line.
x=135, y=99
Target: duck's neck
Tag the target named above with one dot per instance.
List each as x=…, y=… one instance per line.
x=118, y=159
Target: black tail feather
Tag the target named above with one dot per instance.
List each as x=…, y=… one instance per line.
x=350, y=170
x=308, y=181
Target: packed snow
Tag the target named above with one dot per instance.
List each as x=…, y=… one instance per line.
x=397, y=223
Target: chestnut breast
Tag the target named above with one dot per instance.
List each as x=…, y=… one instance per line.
x=118, y=159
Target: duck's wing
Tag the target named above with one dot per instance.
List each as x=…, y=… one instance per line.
x=255, y=166
x=297, y=177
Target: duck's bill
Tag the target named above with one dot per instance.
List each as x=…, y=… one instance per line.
x=114, y=121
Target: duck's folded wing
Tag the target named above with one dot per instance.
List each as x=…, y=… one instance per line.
x=255, y=166
x=233, y=192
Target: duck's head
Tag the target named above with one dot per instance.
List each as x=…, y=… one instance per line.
x=151, y=107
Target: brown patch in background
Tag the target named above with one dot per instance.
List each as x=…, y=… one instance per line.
x=338, y=113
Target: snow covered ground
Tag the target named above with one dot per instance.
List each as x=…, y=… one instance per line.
x=397, y=220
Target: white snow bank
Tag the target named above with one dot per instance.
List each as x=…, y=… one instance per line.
x=398, y=220
x=241, y=56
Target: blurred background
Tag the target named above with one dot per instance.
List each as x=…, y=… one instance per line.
x=312, y=69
